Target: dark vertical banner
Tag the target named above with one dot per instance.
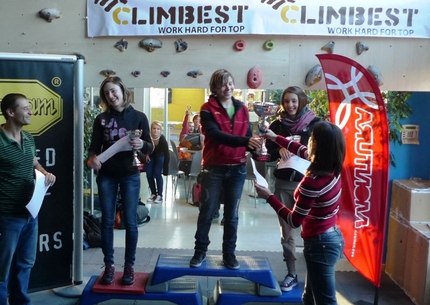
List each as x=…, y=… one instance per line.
x=357, y=107
x=49, y=87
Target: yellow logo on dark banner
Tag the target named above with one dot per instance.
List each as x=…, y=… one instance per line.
x=46, y=104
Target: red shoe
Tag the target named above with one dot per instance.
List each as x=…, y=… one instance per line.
x=128, y=276
x=108, y=275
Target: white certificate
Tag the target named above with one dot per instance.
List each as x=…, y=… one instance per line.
x=38, y=195
x=258, y=178
x=122, y=144
x=294, y=162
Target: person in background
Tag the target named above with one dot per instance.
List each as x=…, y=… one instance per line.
x=18, y=228
x=157, y=163
x=227, y=136
x=316, y=207
x=193, y=130
x=190, y=127
x=294, y=119
x=118, y=173
x=197, y=125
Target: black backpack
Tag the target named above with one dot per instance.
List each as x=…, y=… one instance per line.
x=92, y=228
x=142, y=214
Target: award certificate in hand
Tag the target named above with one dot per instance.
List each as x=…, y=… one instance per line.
x=294, y=162
x=122, y=144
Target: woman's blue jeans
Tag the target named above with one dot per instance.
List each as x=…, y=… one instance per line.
x=129, y=188
x=18, y=244
x=321, y=255
x=154, y=169
x=230, y=179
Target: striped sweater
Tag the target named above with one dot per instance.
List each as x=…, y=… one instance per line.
x=16, y=173
x=316, y=198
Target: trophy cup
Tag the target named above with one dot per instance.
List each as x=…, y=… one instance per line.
x=135, y=134
x=264, y=110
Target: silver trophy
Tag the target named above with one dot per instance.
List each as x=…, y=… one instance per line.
x=264, y=110
x=135, y=134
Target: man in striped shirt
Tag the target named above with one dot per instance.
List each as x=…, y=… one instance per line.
x=18, y=229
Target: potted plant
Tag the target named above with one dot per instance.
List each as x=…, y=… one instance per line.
x=396, y=104
x=90, y=113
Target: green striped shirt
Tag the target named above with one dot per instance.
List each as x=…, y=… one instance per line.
x=16, y=173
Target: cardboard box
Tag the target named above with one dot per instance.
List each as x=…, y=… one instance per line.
x=410, y=199
x=396, y=249
x=417, y=267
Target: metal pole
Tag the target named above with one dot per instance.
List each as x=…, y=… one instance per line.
x=79, y=173
x=78, y=237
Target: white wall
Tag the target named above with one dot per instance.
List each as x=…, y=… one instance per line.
x=404, y=63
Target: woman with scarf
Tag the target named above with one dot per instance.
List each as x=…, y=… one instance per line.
x=295, y=119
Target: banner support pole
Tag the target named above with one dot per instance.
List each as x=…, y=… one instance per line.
x=77, y=288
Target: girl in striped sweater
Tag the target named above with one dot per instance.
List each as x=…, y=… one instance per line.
x=316, y=208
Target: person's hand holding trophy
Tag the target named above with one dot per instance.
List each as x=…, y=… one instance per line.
x=264, y=110
x=136, y=144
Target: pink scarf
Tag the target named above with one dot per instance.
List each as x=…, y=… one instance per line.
x=300, y=123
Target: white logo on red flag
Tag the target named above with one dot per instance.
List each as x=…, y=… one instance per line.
x=356, y=106
x=351, y=91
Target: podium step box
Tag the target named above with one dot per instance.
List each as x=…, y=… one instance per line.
x=253, y=268
x=240, y=291
x=181, y=291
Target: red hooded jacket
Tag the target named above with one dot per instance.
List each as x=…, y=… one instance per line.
x=225, y=140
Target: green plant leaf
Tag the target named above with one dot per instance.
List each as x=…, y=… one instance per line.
x=90, y=113
x=396, y=103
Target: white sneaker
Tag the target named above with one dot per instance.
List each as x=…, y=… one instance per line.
x=289, y=282
x=159, y=199
x=152, y=198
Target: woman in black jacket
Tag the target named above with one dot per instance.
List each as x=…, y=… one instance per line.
x=295, y=120
x=157, y=163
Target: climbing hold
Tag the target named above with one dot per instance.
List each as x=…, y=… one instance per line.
x=255, y=77
x=377, y=76
x=268, y=45
x=180, y=45
x=328, y=47
x=49, y=14
x=121, y=45
x=107, y=73
x=314, y=75
x=239, y=45
x=195, y=73
x=150, y=44
x=361, y=47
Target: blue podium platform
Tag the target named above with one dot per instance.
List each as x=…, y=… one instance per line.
x=175, y=281
x=254, y=268
x=234, y=291
x=183, y=291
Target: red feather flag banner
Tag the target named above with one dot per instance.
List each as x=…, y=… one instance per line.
x=357, y=107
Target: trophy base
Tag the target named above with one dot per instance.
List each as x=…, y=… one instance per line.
x=141, y=167
x=261, y=158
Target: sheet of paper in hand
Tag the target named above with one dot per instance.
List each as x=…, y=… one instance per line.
x=122, y=144
x=192, y=141
x=295, y=162
x=258, y=178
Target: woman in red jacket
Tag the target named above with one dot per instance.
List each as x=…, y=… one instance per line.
x=227, y=136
